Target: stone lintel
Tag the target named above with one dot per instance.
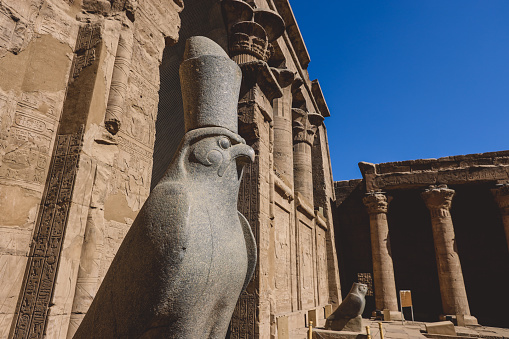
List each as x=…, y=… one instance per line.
x=485, y=167
x=316, y=89
x=293, y=31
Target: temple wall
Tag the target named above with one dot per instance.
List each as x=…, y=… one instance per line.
x=68, y=182
x=85, y=131
x=447, y=234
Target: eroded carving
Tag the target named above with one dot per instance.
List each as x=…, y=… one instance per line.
x=46, y=246
x=89, y=37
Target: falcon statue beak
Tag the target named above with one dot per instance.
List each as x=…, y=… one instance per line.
x=242, y=152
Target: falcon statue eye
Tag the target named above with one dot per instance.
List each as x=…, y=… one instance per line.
x=225, y=143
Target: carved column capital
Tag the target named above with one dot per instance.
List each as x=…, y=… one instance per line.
x=305, y=125
x=251, y=31
x=376, y=202
x=501, y=195
x=438, y=199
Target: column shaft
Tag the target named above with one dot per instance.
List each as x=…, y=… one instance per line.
x=450, y=275
x=383, y=270
x=501, y=196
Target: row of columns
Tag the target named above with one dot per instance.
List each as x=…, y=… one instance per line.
x=438, y=200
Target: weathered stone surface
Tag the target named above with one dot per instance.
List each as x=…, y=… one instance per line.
x=441, y=327
x=92, y=67
x=189, y=253
x=452, y=286
x=383, y=270
x=348, y=316
x=462, y=169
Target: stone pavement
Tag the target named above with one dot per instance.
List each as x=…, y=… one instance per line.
x=395, y=330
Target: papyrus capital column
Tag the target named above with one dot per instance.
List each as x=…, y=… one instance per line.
x=450, y=276
x=501, y=195
x=305, y=125
x=383, y=270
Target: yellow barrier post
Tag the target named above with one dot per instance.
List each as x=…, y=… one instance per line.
x=381, y=330
x=368, y=332
x=310, y=330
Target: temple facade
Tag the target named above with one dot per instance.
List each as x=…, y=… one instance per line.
x=91, y=114
x=436, y=227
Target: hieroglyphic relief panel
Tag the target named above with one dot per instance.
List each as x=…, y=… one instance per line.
x=283, y=254
x=367, y=279
x=321, y=266
x=114, y=233
x=244, y=317
x=53, y=21
x=140, y=112
x=16, y=24
x=89, y=37
x=27, y=128
x=132, y=167
x=243, y=322
x=7, y=26
x=307, y=288
x=47, y=241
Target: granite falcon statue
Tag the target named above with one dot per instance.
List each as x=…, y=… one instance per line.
x=189, y=253
x=348, y=315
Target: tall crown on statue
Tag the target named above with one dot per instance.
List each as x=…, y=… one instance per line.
x=210, y=83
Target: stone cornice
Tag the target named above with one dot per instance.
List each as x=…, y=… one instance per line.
x=484, y=167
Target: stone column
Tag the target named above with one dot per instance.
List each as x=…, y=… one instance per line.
x=383, y=270
x=251, y=32
x=283, y=141
x=452, y=288
x=501, y=195
x=305, y=125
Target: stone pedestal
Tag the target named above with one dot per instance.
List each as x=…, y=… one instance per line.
x=450, y=276
x=383, y=270
x=501, y=195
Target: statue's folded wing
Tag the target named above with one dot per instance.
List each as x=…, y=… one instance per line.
x=251, y=249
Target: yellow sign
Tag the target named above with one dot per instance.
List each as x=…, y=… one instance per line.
x=405, y=296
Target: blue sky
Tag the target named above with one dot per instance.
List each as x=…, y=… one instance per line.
x=409, y=79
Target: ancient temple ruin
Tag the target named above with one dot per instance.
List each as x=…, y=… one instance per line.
x=91, y=112
x=437, y=227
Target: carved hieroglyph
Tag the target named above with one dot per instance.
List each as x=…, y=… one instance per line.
x=48, y=238
x=307, y=267
x=282, y=276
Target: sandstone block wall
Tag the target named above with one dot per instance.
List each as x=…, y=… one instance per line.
x=69, y=186
x=85, y=130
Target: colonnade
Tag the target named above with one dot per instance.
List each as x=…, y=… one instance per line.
x=438, y=200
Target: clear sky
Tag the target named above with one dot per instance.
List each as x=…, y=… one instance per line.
x=409, y=79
